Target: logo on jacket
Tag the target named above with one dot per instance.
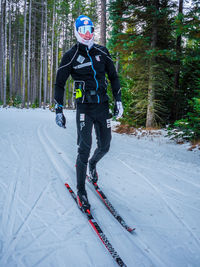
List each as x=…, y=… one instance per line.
x=82, y=117
x=80, y=59
x=82, y=124
x=98, y=57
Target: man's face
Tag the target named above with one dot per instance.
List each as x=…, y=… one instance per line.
x=86, y=32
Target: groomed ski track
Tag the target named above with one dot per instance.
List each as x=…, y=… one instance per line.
x=153, y=183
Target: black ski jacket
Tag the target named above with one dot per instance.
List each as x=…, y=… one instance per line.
x=88, y=69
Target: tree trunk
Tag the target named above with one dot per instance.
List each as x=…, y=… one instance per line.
x=16, y=56
x=24, y=58
x=52, y=46
x=45, y=57
x=41, y=61
x=10, y=53
x=16, y=60
x=5, y=57
x=103, y=23
x=29, y=55
x=57, y=45
x=177, y=67
x=150, y=118
x=56, y=55
x=1, y=51
x=34, y=62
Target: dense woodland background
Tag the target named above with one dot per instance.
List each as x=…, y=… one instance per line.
x=155, y=45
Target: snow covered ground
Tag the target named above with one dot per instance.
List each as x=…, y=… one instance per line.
x=153, y=183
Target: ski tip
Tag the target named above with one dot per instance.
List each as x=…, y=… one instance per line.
x=130, y=230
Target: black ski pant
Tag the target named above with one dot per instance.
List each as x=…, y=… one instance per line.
x=87, y=116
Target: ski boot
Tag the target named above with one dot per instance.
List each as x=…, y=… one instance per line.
x=93, y=175
x=83, y=200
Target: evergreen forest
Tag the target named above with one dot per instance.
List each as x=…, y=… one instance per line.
x=155, y=45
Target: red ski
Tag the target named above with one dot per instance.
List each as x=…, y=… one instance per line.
x=98, y=230
x=109, y=206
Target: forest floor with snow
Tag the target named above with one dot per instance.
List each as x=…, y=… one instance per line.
x=152, y=182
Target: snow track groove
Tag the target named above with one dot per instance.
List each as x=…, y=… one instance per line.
x=50, y=149
x=13, y=242
x=10, y=211
x=155, y=188
x=163, y=166
x=60, y=151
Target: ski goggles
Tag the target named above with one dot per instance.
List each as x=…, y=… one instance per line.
x=84, y=29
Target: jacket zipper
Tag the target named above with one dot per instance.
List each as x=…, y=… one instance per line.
x=94, y=74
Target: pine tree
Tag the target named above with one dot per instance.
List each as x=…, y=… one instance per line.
x=144, y=44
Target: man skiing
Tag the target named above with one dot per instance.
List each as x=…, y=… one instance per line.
x=88, y=63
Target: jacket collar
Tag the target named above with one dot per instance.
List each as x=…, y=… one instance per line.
x=83, y=47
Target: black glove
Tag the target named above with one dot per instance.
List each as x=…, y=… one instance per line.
x=60, y=118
